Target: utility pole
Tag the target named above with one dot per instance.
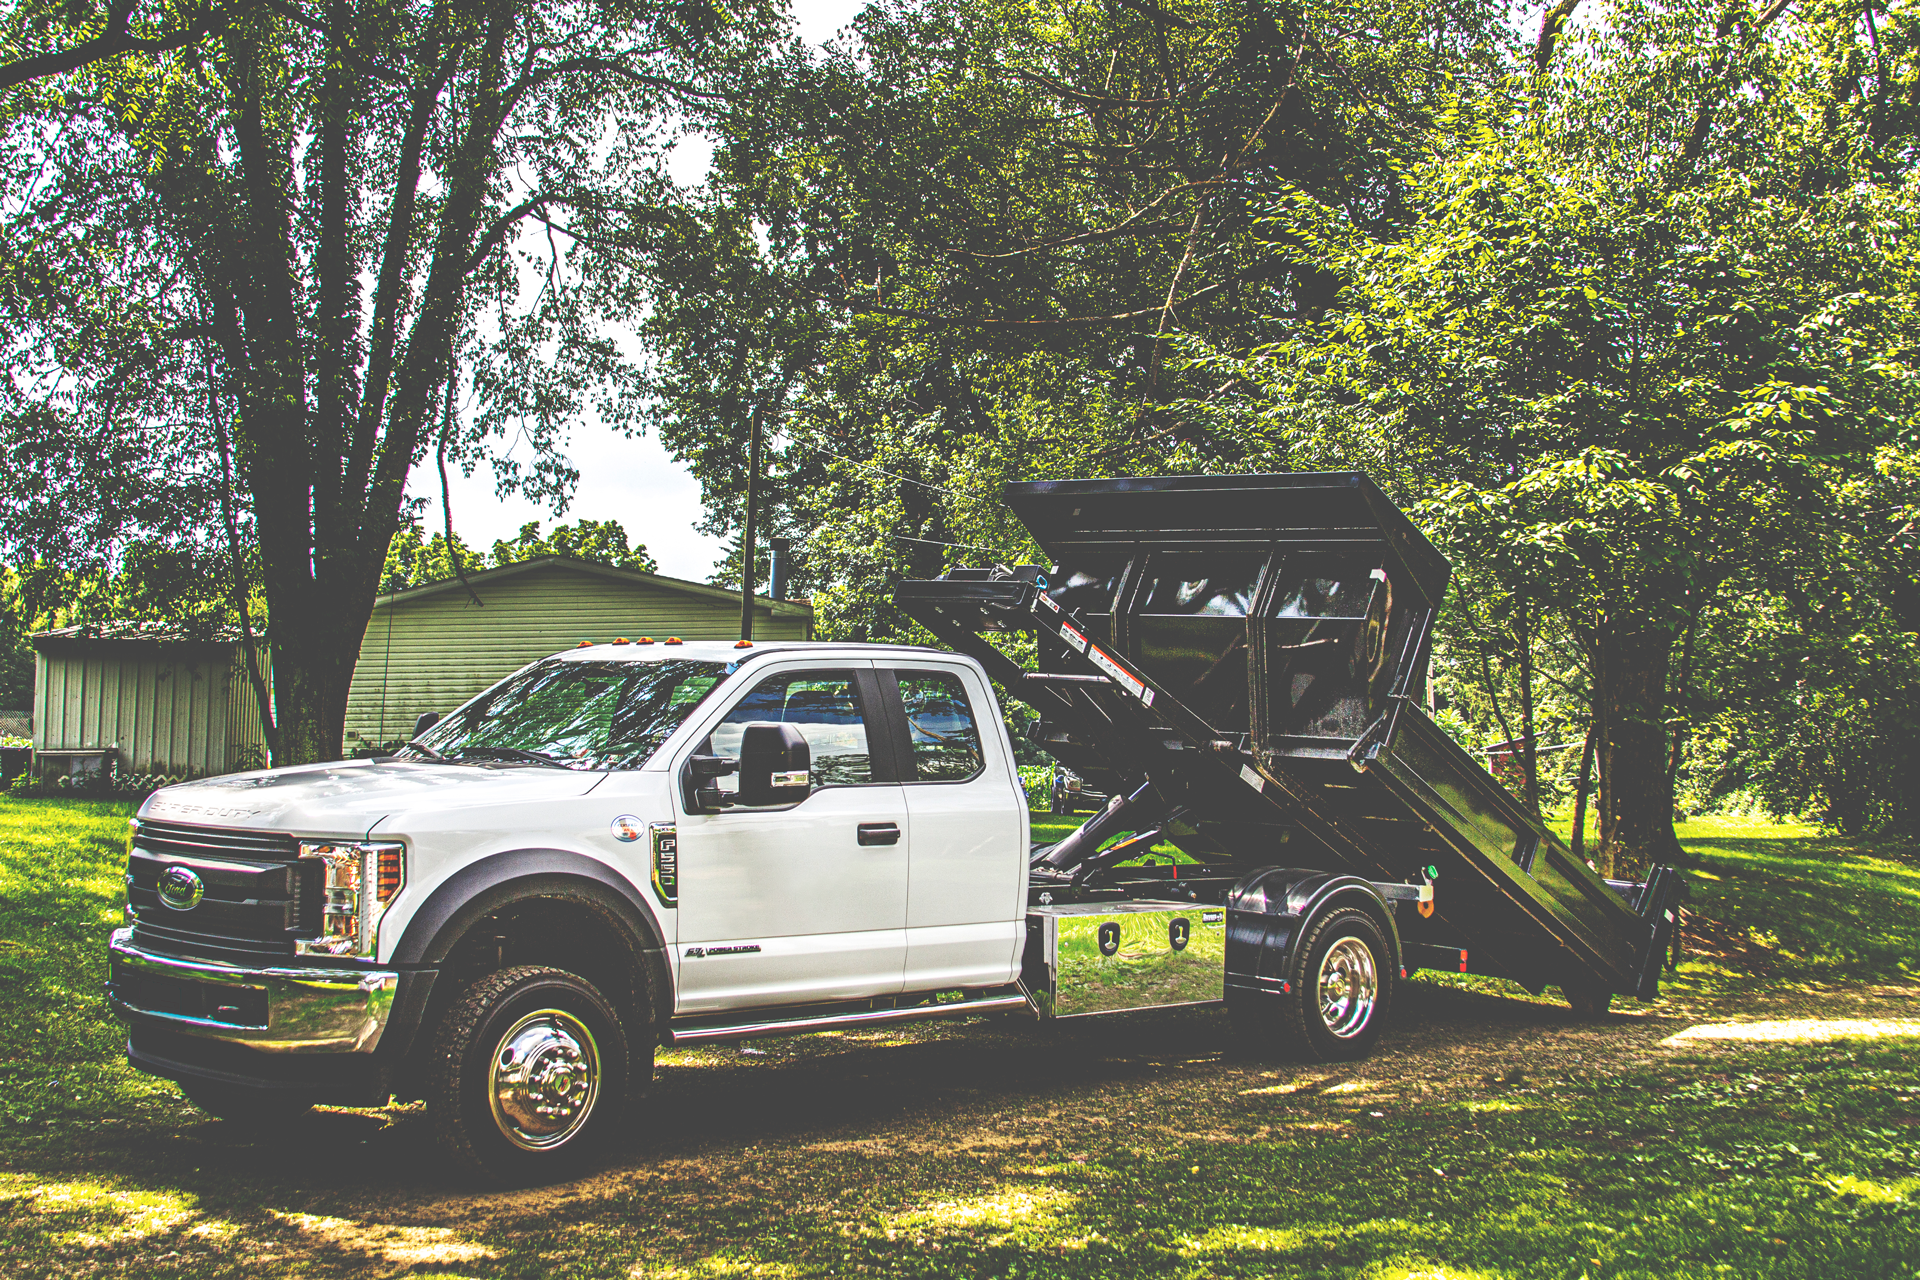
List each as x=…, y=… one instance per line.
x=746, y=534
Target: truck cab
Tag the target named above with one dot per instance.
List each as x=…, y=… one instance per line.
x=618, y=846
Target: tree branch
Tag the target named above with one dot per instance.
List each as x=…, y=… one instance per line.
x=115, y=40
x=982, y=322
x=1552, y=23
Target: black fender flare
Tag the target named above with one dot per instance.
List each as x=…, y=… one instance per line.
x=481, y=888
x=1268, y=911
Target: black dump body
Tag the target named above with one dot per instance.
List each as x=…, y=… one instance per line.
x=1244, y=658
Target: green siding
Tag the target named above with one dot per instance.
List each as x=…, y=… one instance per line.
x=432, y=653
x=157, y=711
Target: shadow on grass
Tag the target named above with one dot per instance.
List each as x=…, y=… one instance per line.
x=808, y=1089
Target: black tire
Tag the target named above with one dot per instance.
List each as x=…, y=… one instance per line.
x=252, y=1108
x=1347, y=1023
x=497, y=1124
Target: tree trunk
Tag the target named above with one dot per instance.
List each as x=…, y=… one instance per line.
x=1636, y=793
x=1583, y=788
x=1529, y=756
x=311, y=676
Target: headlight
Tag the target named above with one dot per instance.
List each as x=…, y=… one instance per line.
x=358, y=881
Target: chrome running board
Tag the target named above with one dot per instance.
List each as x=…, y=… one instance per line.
x=834, y=1021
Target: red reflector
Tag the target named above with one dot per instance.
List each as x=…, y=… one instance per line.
x=1463, y=962
x=1176, y=871
x=1286, y=988
x=1403, y=973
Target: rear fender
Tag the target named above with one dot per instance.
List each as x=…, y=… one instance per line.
x=1269, y=911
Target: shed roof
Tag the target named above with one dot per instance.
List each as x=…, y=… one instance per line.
x=146, y=633
x=634, y=577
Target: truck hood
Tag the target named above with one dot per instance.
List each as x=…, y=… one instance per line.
x=349, y=797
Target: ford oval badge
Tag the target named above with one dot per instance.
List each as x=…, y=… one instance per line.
x=180, y=888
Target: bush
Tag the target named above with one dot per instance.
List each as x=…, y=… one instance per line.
x=112, y=783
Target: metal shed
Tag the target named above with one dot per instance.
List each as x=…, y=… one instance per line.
x=145, y=696
x=432, y=648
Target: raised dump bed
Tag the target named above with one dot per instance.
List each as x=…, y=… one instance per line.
x=1242, y=662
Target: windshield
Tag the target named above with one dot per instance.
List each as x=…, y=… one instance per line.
x=579, y=715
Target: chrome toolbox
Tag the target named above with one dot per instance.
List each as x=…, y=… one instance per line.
x=1101, y=957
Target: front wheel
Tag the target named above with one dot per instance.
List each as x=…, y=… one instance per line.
x=1340, y=986
x=529, y=1075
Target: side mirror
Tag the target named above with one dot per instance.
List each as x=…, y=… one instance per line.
x=775, y=765
x=425, y=722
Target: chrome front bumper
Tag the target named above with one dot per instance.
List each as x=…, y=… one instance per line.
x=273, y=1010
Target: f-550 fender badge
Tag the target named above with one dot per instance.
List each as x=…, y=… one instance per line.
x=666, y=863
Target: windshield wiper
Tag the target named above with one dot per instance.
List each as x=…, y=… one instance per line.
x=512, y=753
x=431, y=754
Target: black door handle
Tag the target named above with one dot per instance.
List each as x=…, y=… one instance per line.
x=879, y=833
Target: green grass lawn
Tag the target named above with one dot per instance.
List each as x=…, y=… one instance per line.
x=1490, y=1137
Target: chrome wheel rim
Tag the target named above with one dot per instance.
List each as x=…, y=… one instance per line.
x=1349, y=986
x=544, y=1079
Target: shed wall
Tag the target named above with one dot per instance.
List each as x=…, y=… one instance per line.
x=435, y=652
x=158, y=710
x=246, y=741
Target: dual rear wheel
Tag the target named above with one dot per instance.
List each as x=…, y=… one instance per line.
x=1339, y=988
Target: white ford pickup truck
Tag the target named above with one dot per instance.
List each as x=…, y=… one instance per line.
x=622, y=846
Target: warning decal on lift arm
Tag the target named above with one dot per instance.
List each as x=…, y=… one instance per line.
x=1118, y=676
x=1073, y=637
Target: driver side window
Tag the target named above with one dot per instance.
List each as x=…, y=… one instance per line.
x=824, y=706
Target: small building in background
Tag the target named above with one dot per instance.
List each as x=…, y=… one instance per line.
x=144, y=697
x=431, y=648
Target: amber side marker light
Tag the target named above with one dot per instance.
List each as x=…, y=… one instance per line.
x=388, y=873
x=621, y=640
x=675, y=640
x=584, y=644
x=743, y=644
x=644, y=640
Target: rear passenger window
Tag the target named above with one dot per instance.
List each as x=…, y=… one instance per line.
x=940, y=727
x=823, y=706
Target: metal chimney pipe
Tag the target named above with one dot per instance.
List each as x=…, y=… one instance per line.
x=777, y=570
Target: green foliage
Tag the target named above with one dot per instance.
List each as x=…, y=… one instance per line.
x=414, y=559
x=956, y=250
x=601, y=541
x=254, y=280
x=1647, y=330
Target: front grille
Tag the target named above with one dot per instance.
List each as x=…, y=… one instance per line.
x=165, y=839
x=257, y=896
